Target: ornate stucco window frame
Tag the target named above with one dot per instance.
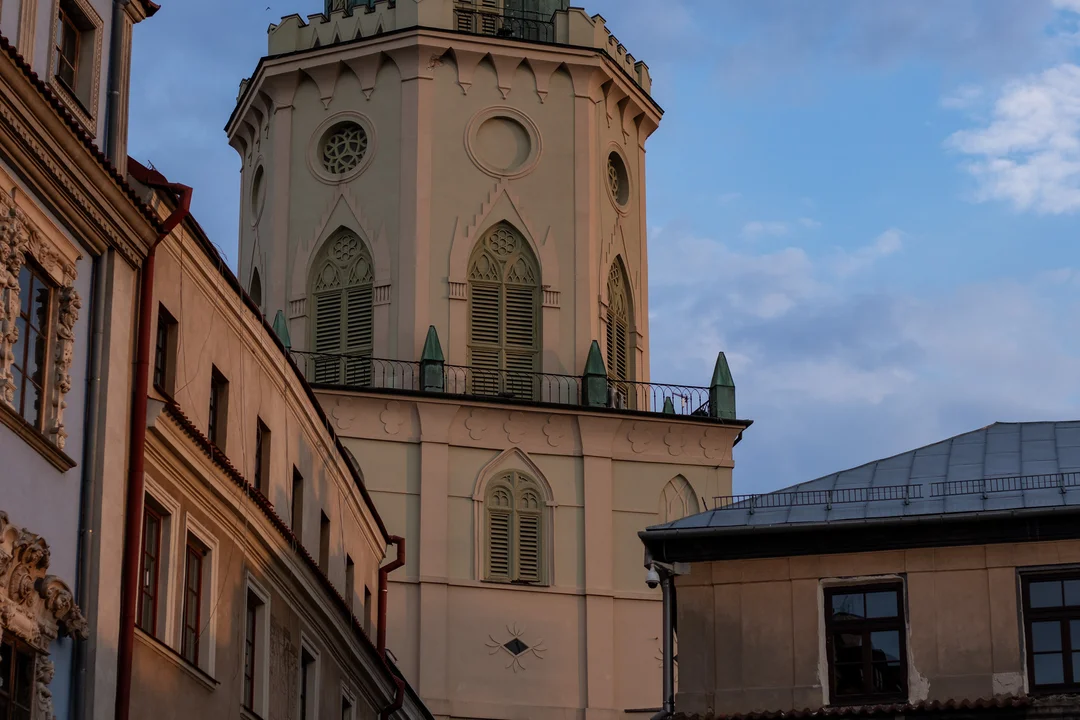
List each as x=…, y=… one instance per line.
x=35, y=607
x=83, y=105
x=21, y=238
x=315, y=147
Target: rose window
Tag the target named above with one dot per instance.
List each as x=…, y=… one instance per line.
x=344, y=147
x=613, y=178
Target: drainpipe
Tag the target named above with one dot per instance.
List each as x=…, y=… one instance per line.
x=91, y=491
x=112, y=107
x=380, y=644
x=133, y=512
x=668, y=710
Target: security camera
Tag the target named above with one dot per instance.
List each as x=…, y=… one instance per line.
x=652, y=578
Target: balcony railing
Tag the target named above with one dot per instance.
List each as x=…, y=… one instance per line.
x=362, y=372
x=504, y=19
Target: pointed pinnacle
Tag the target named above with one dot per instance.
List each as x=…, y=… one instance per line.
x=432, y=347
x=594, y=364
x=722, y=373
x=282, y=329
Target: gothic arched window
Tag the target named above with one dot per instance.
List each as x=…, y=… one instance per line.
x=677, y=500
x=618, y=331
x=504, y=314
x=255, y=288
x=341, y=298
x=514, y=530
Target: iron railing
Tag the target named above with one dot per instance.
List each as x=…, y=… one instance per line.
x=364, y=372
x=817, y=497
x=1055, y=481
x=508, y=18
x=357, y=371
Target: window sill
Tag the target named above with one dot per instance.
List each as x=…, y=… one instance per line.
x=176, y=659
x=863, y=700
x=35, y=439
x=75, y=104
x=515, y=583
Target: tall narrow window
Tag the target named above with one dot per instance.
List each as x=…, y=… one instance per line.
x=308, y=679
x=618, y=323
x=165, y=351
x=341, y=291
x=255, y=288
x=350, y=581
x=219, y=409
x=1052, y=630
x=514, y=530
x=504, y=314
x=298, y=505
x=262, y=455
x=865, y=642
x=193, y=594
x=347, y=708
x=17, y=681
x=324, y=543
x=368, y=610
x=149, y=573
x=67, y=47
x=250, y=647
x=31, y=349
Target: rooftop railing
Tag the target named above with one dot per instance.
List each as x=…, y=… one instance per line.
x=592, y=389
x=481, y=17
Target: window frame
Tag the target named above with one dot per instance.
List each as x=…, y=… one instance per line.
x=865, y=626
x=308, y=705
x=217, y=426
x=65, y=26
x=296, y=505
x=17, y=647
x=165, y=344
x=207, y=655
x=517, y=483
x=81, y=97
x=149, y=511
x=325, y=533
x=21, y=348
x=255, y=595
x=263, y=440
x=1064, y=614
x=193, y=550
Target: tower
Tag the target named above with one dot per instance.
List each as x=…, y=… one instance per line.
x=418, y=132
x=444, y=210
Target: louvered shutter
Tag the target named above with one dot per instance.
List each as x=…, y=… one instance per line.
x=528, y=547
x=358, y=334
x=484, y=355
x=499, y=544
x=520, y=342
x=328, y=337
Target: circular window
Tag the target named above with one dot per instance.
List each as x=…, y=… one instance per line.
x=258, y=194
x=618, y=180
x=503, y=142
x=343, y=147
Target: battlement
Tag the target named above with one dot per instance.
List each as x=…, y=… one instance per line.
x=570, y=26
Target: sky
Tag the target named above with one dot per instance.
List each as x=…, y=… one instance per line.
x=870, y=206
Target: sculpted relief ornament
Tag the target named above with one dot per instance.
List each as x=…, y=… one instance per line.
x=20, y=239
x=34, y=606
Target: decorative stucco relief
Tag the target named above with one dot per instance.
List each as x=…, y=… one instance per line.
x=392, y=417
x=19, y=239
x=477, y=423
x=517, y=427
x=716, y=444
x=556, y=429
x=515, y=647
x=640, y=437
x=344, y=414
x=675, y=440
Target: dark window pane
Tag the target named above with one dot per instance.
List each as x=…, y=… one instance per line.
x=1076, y=667
x=847, y=647
x=848, y=605
x=849, y=679
x=1048, y=669
x=24, y=289
x=1045, y=636
x=888, y=677
x=35, y=358
x=32, y=408
x=1045, y=594
x=40, y=316
x=5, y=669
x=881, y=604
x=1072, y=592
x=20, y=325
x=1074, y=634
x=24, y=678
x=18, y=382
x=885, y=645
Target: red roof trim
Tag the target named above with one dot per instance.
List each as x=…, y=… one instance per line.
x=80, y=133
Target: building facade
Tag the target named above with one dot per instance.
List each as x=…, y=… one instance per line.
x=72, y=238
x=944, y=581
x=260, y=548
x=443, y=209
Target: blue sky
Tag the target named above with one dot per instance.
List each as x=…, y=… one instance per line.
x=871, y=207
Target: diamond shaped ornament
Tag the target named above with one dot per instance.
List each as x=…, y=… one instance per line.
x=516, y=647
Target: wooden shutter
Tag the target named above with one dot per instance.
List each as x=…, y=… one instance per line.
x=528, y=547
x=499, y=520
x=484, y=355
x=328, y=337
x=359, y=332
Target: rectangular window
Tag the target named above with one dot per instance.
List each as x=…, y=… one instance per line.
x=367, y=610
x=262, y=455
x=350, y=581
x=31, y=350
x=149, y=574
x=250, y=643
x=165, y=352
x=219, y=408
x=193, y=594
x=865, y=641
x=298, y=505
x=324, y=543
x=16, y=680
x=1052, y=631
x=68, y=47
x=308, y=679
x=347, y=708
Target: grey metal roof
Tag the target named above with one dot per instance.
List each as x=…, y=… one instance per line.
x=1006, y=466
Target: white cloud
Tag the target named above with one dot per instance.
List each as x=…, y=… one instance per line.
x=963, y=97
x=757, y=228
x=847, y=264
x=1073, y=5
x=1029, y=154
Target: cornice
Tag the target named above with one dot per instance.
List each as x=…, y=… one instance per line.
x=55, y=156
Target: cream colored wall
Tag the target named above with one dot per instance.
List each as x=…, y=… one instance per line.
x=751, y=631
x=425, y=460
x=422, y=203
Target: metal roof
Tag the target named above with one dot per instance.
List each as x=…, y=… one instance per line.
x=1006, y=466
